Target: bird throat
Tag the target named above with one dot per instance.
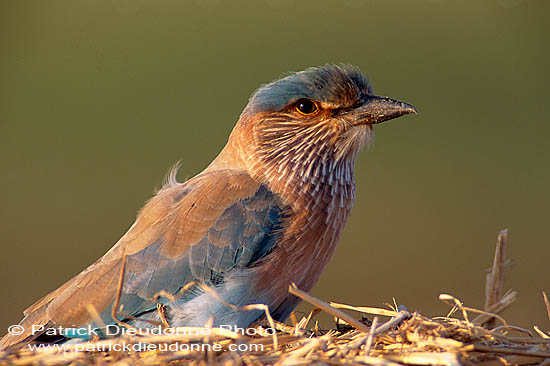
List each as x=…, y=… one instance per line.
x=310, y=166
x=312, y=169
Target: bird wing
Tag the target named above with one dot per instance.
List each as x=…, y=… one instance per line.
x=198, y=230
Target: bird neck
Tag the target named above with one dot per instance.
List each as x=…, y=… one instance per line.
x=310, y=166
x=307, y=166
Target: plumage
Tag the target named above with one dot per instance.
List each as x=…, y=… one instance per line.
x=267, y=211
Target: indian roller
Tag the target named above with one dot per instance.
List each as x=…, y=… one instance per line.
x=268, y=211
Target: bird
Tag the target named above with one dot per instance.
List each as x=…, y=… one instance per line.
x=267, y=212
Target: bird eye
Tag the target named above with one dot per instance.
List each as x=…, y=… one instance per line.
x=306, y=106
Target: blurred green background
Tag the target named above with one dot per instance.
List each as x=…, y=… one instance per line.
x=99, y=98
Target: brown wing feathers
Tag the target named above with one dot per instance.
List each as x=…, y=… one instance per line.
x=178, y=216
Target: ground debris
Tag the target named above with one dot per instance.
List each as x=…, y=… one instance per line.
x=402, y=339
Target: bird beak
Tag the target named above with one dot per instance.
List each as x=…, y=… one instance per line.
x=377, y=109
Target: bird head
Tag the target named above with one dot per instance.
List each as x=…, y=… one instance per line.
x=317, y=119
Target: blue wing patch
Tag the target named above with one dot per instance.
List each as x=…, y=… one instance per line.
x=242, y=235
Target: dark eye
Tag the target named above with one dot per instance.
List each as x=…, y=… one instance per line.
x=306, y=106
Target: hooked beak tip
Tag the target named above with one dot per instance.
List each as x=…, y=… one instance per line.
x=411, y=110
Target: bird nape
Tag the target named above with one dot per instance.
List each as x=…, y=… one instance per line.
x=268, y=211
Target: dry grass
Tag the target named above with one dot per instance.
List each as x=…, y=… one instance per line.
x=465, y=336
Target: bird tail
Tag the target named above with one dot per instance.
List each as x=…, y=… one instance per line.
x=32, y=326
